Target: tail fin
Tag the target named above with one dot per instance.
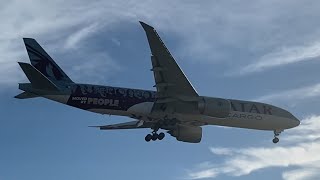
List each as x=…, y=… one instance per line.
x=44, y=63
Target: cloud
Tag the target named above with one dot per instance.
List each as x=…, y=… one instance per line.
x=301, y=174
x=300, y=154
x=73, y=40
x=115, y=41
x=9, y=65
x=96, y=69
x=230, y=32
x=282, y=57
x=56, y=24
x=221, y=151
x=203, y=174
x=293, y=95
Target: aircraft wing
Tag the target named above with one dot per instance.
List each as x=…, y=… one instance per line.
x=126, y=125
x=170, y=80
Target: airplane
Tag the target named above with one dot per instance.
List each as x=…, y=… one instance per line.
x=175, y=106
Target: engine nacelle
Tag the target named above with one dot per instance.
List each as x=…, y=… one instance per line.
x=191, y=134
x=215, y=107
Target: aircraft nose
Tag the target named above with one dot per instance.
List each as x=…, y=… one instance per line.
x=295, y=122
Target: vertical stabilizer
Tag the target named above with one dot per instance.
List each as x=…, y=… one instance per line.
x=44, y=63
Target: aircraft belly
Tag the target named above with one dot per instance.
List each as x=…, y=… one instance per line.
x=259, y=121
x=242, y=120
x=141, y=108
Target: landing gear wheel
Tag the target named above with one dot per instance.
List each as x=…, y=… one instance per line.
x=148, y=137
x=154, y=136
x=276, y=134
x=161, y=136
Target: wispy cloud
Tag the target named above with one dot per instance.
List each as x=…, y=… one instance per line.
x=115, y=41
x=301, y=174
x=73, y=40
x=293, y=95
x=210, y=32
x=208, y=173
x=89, y=68
x=282, y=57
x=8, y=63
x=300, y=154
x=64, y=24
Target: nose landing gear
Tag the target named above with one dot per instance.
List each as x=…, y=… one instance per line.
x=275, y=140
x=276, y=134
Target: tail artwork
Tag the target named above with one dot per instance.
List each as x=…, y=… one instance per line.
x=44, y=63
x=43, y=73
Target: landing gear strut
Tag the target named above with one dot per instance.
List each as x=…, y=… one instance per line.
x=276, y=134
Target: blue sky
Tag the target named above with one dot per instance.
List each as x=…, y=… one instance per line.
x=251, y=50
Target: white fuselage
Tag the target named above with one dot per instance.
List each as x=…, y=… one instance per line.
x=250, y=120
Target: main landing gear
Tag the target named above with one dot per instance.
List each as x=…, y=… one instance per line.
x=154, y=136
x=276, y=134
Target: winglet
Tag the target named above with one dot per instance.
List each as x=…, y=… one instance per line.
x=25, y=40
x=146, y=26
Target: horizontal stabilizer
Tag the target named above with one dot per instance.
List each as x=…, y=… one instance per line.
x=126, y=125
x=25, y=95
x=37, y=79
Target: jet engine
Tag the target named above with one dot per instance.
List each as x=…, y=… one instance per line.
x=215, y=107
x=191, y=134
